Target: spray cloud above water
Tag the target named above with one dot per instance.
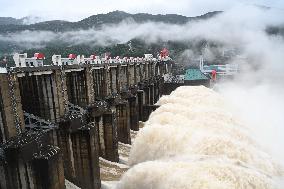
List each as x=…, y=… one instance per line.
x=195, y=141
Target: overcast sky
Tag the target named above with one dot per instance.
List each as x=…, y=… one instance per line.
x=74, y=10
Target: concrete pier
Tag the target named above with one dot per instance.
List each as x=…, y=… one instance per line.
x=12, y=119
x=133, y=113
x=67, y=150
x=123, y=122
x=103, y=114
x=27, y=162
x=48, y=168
x=141, y=102
x=86, y=159
x=110, y=136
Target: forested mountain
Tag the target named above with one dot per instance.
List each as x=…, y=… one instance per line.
x=95, y=21
x=15, y=36
x=9, y=21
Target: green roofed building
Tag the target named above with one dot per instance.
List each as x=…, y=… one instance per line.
x=191, y=77
x=196, y=77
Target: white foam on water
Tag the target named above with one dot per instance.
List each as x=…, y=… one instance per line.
x=209, y=174
x=194, y=141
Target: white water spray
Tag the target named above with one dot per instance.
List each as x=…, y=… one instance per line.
x=194, y=141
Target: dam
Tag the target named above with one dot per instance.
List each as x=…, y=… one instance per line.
x=59, y=117
x=123, y=124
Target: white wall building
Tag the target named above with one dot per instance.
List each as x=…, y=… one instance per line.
x=148, y=56
x=22, y=60
x=59, y=61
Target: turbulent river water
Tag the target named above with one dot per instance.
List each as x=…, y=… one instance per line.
x=193, y=141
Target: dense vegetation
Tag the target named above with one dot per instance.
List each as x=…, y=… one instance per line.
x=133, y=48
x=95, y=21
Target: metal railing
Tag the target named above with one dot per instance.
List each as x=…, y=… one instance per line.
x=35, y=122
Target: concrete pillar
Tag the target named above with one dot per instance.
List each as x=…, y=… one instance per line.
x=45, y=94
x=67, y=150
x=164, y=67
x=101, y=136
x=48, y=166
x=24, y=164
x=151, y=93
x=117, y=75
x=146, y=71
x=56, y=97
x=127, y=75
x=116, y=81
x=106, y=82
x=140, y=96
x=110, y=136
x=61, y=91
x=96, y=113
x=150, y=73
x=86, y=157
x=16, y=174
x=142, y=71
x=147, y=110
x=123, y=77
x=133, y=111
x=161, y=86
x=17, y=169
x=156, y=90
x=113, y=73
x=160, y=68
x=51, y=137
x=66, y=146
x=50, y=98
x=11, y=107
x=156, y=68
x=169, y=67
x=131, y=71
x=2, y=131
x=138, y=72
x=153, y=64
x=123, y=122
x=153, y=69
x=83, y=88
x=146, y=90
x=90, y=85
x=71, y=87
x=4, y=177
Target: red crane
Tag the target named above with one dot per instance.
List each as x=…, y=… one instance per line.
x=164, y=53
x=39, y=56
x=214, y=75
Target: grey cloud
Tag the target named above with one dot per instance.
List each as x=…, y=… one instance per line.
x=73, y=11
